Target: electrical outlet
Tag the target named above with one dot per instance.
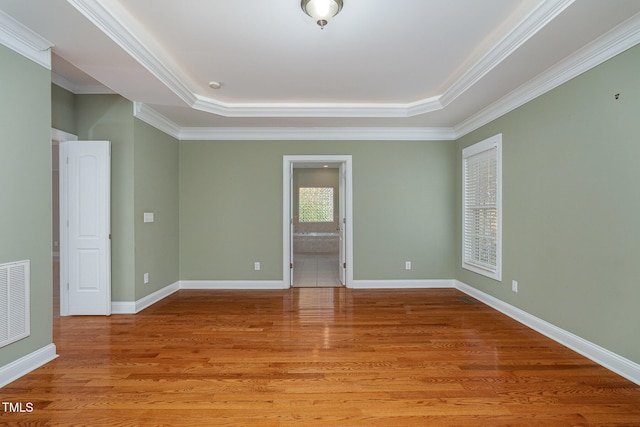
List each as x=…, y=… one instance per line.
x=256, y=266
x=514, y=285
x=407, y=265
x=146, y=278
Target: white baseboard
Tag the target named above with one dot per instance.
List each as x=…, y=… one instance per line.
x=26, y=364
x=401, y=284
x=133, y=307
x=232, y=284
x=600, y=355
x=158, y=295
x=123, y=307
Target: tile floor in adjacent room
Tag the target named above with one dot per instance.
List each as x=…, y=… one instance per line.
x=315, y=270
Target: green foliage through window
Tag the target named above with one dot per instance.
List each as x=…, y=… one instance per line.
x=315, y=204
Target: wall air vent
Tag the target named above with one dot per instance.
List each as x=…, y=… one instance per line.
x=14, y=301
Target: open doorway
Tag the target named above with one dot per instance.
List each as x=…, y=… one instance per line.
x=317, y=221
x=316, y=226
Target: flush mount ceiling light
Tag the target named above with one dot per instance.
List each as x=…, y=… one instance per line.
x=321, y=10
x=215, y=85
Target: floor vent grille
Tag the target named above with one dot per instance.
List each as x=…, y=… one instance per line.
x=14, y=301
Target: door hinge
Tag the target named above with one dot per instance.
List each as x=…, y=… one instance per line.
x=290, y=265
x=109, y=236
x=67, y=285
x=344, y=265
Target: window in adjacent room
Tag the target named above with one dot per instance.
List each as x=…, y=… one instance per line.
x=315, y=204
x=482, y=207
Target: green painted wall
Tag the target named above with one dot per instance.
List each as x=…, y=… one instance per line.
x=144, y=177
x=63, y=110
x=25, y=179
x=110, y=117
x=571, y=202
x=231, y=207
x=156, y=190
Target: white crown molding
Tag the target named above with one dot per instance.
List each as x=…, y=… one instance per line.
x=317, y=134
x=622, y=37
x=22, y=40
x=614, y=42
x=527, y=28
x=294, y=109
x=114, y=20
x=152, y=117
x=113, y=25
x=96, y=89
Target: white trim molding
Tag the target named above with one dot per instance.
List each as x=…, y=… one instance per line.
x=232, y=284
x=614, y=42
x=58, y=136
x=319, y=134
x=123, y=307
x=346, y=179
x=600, y=355
x=152, y=117
x=402, y=284
x=116, y=22
x=134, y=307
x=26, y=364
x=606, y=358
x=22, y=40
x=80, y=89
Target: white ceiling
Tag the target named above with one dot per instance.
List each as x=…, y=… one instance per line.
x=429, y=68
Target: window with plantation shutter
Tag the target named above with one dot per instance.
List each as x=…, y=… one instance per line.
x=482, y=207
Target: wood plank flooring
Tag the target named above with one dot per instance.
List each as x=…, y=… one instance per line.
x=316, y=357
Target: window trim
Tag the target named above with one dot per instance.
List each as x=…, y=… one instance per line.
x=494, y=142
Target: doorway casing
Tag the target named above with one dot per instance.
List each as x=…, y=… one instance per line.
x=345, y=166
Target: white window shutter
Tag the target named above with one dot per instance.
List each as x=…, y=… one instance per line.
x=481, y=228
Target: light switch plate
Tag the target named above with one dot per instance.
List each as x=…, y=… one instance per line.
x=148, y=217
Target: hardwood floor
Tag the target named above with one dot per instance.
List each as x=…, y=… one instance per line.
x=316, y=357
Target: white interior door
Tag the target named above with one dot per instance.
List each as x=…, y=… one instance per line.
x=85, y=255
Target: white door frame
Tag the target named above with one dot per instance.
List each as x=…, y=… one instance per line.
x=58, y=136
x=288, y=162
